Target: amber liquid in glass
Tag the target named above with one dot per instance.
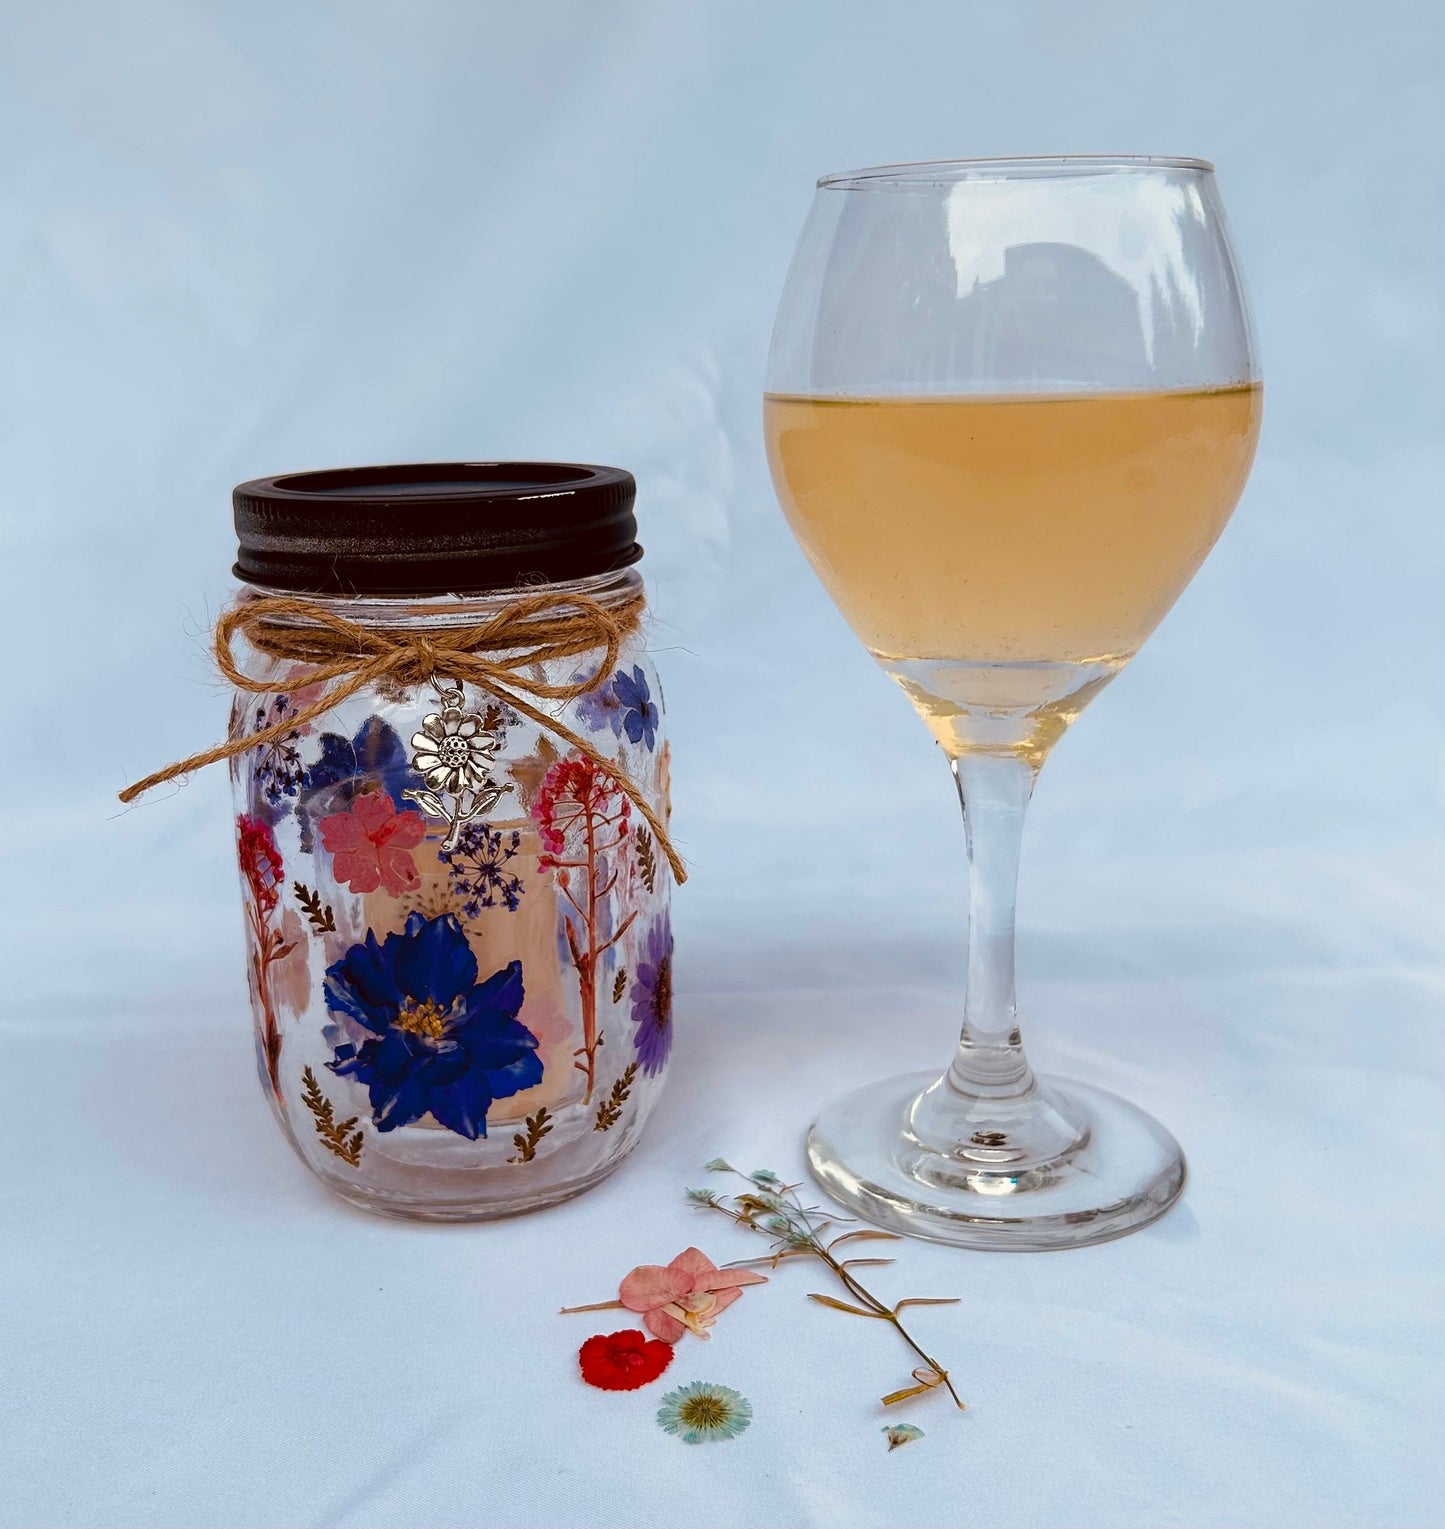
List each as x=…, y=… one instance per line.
x=1003, y=557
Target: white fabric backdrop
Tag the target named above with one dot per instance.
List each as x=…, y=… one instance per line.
x=237, y=239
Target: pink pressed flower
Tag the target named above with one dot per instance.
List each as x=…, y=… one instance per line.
x=685, y=1295
x=371, y=844
x=575, y=794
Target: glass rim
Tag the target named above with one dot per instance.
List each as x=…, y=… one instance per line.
x=942, y=171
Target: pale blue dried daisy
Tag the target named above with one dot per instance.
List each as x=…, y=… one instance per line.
x=704, y=1413
x=718, y=1165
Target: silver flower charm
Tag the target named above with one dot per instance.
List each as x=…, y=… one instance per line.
x=454, y=753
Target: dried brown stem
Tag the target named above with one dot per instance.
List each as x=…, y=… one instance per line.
x=810, y=1243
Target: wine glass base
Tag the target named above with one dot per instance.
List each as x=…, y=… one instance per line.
x=1067, y=1166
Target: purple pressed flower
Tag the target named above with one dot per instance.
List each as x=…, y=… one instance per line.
x=652, y=998
x=622, y=704
x=279, y=773
x=478, y=872
x=599, y=708
x=640, y=715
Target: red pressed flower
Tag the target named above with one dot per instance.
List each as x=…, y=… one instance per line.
x=623, y=1361
x=574, y=793
x=371, y=844
x=260, y=861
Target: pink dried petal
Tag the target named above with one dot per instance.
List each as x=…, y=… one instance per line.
x=372, y=810
x=652, y=1285
x=693, y=1262
x=730, y=1279
x=397, y=870
x=341, y=832
x=725, y=1298
x=408, y=830
x=663, y=1326
x=699, y=1303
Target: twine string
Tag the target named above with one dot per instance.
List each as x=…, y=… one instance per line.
x=506, y=656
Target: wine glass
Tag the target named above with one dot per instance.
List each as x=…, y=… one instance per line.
x=1010, y=406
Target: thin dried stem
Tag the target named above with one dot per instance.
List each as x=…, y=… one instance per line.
x=773, y=1208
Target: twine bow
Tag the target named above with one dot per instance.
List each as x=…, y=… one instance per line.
x=502, y=656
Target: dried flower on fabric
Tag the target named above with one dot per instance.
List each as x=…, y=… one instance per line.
x=704, y=1413
x=901, y=1433
x=371, y=844
x=623, y=1361
x=687, y=1295
x=774, y=1209
x=437, y=1041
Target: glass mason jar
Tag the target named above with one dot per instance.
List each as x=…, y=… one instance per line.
x=457, y=925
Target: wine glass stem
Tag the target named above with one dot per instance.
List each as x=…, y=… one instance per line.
x=994, y=790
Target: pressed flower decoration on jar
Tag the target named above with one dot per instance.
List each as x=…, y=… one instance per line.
x=453, y=797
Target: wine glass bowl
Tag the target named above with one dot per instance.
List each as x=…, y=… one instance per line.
x=1010, y=407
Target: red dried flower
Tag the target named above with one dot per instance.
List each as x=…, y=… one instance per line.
x=577, y=797
x=623, y=1361
x=260, y=861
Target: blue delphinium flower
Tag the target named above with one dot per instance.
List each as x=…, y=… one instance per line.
x=639, y=711
x=441, y=1043
x=652, y=998
x=374, y=757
